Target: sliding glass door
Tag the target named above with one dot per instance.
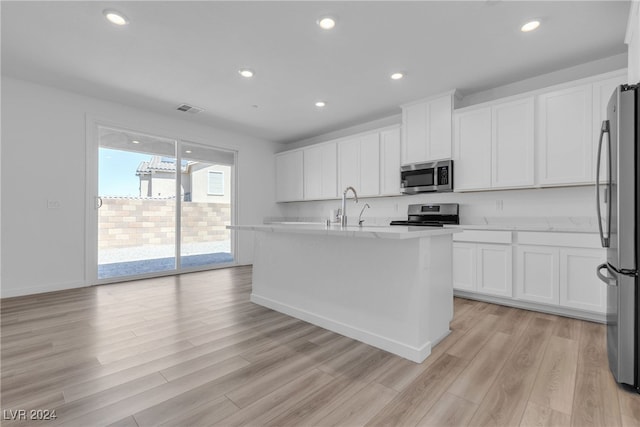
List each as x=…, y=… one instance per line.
x=162, y=207
x=206, y=206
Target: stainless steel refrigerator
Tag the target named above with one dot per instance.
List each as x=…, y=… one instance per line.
x=618, y=207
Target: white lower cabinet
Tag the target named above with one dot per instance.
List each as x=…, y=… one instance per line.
x=554, y=269
x=464, y=266
x=537, y=278
x=495, y=270
x=579, y=286
x=483, y=267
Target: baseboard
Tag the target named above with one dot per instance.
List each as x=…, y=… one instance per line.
x=415, y=354
x=55, y=287
x=560, y=311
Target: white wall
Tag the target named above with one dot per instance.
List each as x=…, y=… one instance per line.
x=632, y=39
x=564, y=206
x=43, y=144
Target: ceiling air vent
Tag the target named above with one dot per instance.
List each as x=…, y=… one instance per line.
x=189, y=109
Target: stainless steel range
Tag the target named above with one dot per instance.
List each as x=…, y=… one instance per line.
x=431, y=215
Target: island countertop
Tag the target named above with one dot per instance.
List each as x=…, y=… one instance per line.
x=376, y=232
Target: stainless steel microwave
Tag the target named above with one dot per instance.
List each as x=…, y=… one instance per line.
x=427, y=177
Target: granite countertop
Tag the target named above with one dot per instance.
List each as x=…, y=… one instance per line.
x=376, y=232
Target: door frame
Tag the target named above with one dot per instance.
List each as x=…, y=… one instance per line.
x=91, y=196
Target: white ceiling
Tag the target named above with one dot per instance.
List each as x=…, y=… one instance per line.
x=189, y=52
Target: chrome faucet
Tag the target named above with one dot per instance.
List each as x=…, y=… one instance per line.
x=360, y=220
x=343, y=210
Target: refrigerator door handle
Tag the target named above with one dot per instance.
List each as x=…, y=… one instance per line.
x=603, y=239
x=610, y=281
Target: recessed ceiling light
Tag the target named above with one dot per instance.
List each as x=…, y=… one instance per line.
x=135, y=142
x=321, y=104
x=327, y=22
x=397, y=76
x=115, y=17
x=530, y=26
x=246, y=73
x=188, y=151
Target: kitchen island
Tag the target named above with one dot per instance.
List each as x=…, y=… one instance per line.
x=390, y=287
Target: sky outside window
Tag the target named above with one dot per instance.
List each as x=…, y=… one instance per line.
x=117, y=172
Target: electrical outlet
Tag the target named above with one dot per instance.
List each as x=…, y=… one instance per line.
x=53, y=204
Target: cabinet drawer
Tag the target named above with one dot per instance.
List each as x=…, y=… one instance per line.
x=574, y=240
x=483, y=236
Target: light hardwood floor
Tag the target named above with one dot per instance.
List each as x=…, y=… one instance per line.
x=192, y=350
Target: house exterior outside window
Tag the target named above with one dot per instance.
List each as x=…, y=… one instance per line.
x=201, y=182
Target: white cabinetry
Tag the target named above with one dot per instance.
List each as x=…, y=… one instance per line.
x=553, y=271
x=426, y=129
x=390, y=162
x=464, y=266
x=559, y=269
x=495, y=269
x=369, y=162
x=565, y=130
x=579, y=286
x=483, y=267
x=494, y=146
x=289, y=176
x=359, y=164
x=320, y=172
x=512, y=144
x=538, y=274
x=472, y=153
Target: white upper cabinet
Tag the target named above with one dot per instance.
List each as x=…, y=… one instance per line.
x=390, y=162
x=426, y=129
x=494, y=146
x=439, y=127
x=349, y=164
x=414, y=133
x=565, y=131
x=512, y=142
x=369, y=165
x=472, y=152
x=289, y=176
x=549, y=138
x=320, y=172
x=359, y=164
